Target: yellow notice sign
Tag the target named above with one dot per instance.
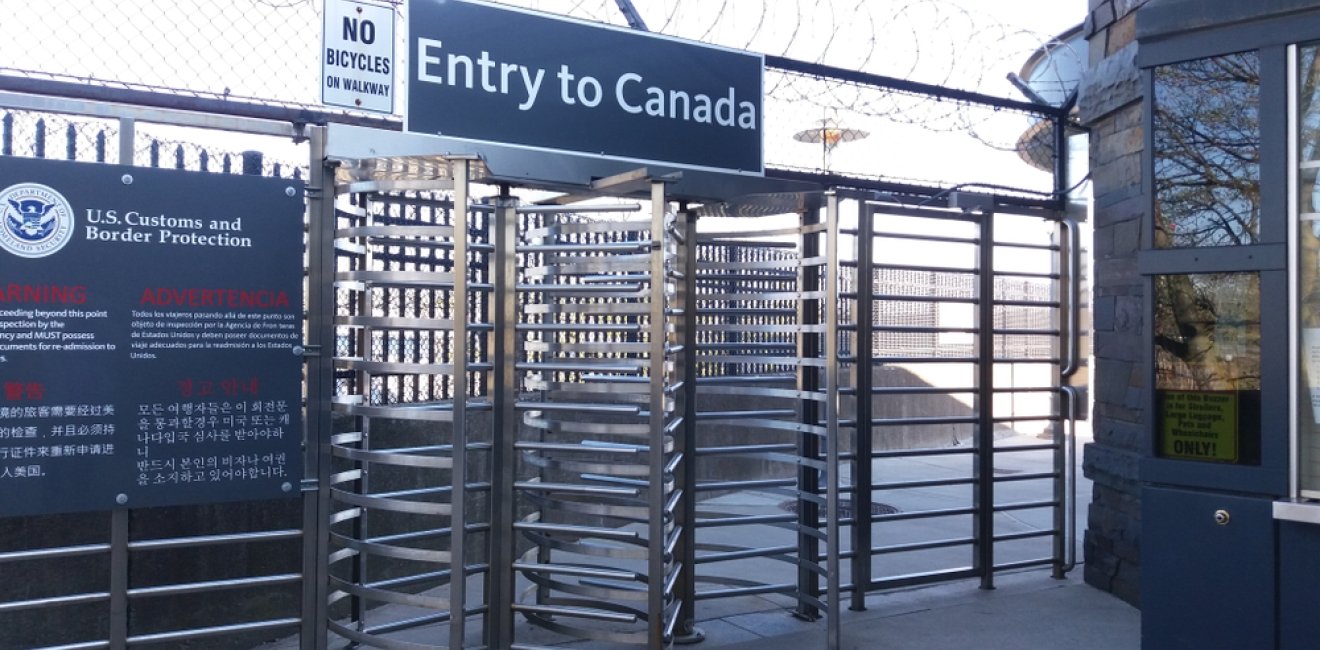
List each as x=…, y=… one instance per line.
x=1199, y=425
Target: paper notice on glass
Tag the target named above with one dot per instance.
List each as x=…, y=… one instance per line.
x=1311, y=359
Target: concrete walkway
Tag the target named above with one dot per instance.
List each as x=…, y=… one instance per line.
x=1027, y=610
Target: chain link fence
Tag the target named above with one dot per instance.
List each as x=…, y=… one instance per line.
x=247, y=56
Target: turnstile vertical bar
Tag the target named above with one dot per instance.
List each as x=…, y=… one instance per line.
x=863, y=371
x=458, y=475
x=362, y=384
x=833, y=576
x=687, y=555
x=984, y=471
x=656, y=565
x=500, y=593
x=1062, y=400
x=808, y=380
x=1069, y=258
x=320, y=388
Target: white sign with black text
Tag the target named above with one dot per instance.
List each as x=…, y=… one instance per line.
x=357, y=56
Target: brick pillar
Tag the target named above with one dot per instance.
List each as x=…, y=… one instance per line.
x=1110, y=103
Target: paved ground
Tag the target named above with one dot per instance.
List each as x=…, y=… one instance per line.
x=1027, y=610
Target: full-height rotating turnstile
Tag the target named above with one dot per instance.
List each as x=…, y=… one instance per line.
x=546, y=409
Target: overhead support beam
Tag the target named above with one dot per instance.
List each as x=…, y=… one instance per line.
x=625, y=184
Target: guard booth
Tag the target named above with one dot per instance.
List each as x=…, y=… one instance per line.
x=1230, y=525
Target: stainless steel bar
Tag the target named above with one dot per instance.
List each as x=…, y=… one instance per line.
x=1019, y=449
x=711, y=594
x=500, y=585
x=761, y=413
x=619, y=409
x=923, y=546
x=657, y=565
x=572, y=488
x=746, y=449
x=576, y=612
x=913, y=453
x=908, y=485
x=1011, y=537
x=900, y=297
x=578, y=327
x=917, y=237
x=1070, y=471
x=321, y=312
x=1024, y=564
x=1024, y=505
x=1014, y=478
x=1028, y=246
x=926, y=578
x=52, y=553
x=408, y=623
x=953, y=270
x=579, y=209
x=579, y=571
x=716, y=486
x=442, y=577
x=832, y=442
x=929, y=514
x=743, y=520
x=213, y=585
x=900, y=422
x=204, y=632
x=86, y=645
x=583, y=531
x=769, y=551
x=53, y=601
x=599, y=247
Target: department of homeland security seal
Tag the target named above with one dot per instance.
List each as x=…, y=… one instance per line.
x=37, y=220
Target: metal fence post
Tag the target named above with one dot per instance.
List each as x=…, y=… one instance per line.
x=687, y=519
x=119, y=517
x=983, y=501
x=252, y=163
x=809, y=380
x=865, y=370
x=320, y=388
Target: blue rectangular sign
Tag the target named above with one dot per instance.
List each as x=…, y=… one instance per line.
x=497, y=74
x=149, y=329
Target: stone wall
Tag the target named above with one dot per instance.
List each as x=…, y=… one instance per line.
x=1110, y=104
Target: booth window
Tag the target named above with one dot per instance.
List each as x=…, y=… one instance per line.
x=1308, y=266
x=1206, y=152
x=1207, y=367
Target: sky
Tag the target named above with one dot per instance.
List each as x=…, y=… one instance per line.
x=269, y=48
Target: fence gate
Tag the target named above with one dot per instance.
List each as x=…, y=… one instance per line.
x=959, y=335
